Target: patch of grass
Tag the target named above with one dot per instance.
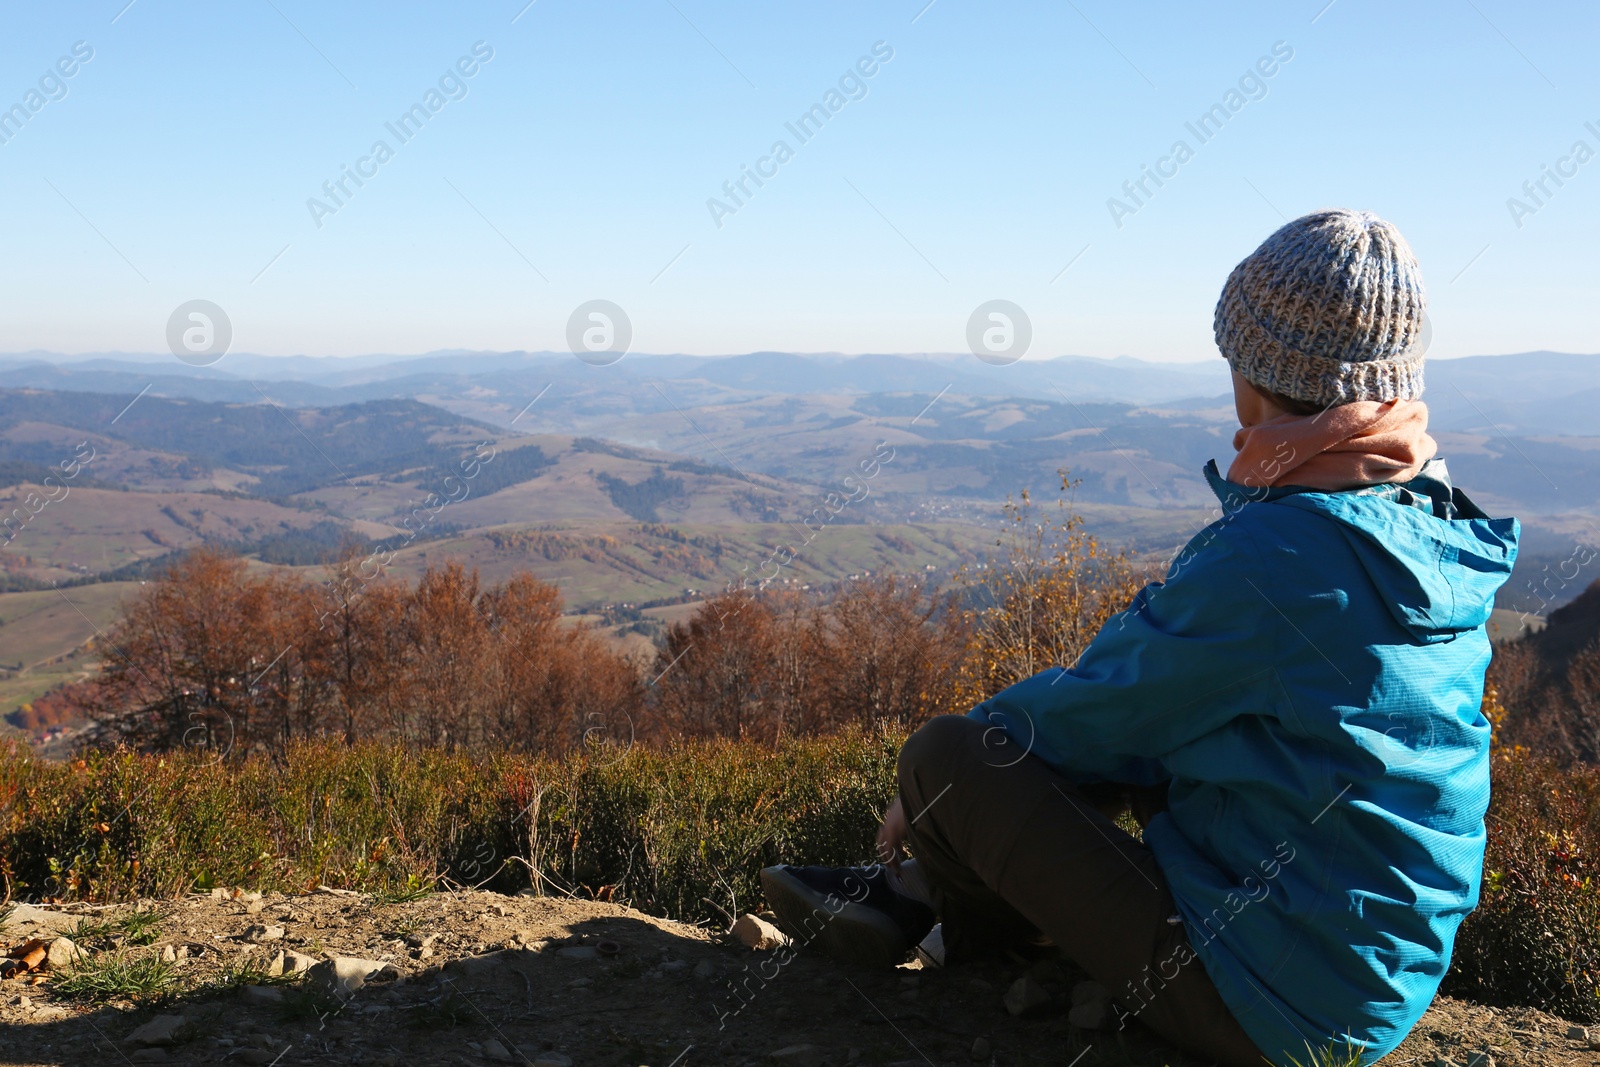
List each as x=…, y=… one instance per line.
x=91, y=931
x=247, y=970
x=145, y=979
x=137, y=927
x=410, y=924
x=445, y=1012
x=1337, y=1054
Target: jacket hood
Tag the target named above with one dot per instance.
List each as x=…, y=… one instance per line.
x=1434, y=556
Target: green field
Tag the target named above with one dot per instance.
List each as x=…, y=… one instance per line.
x=48, y=637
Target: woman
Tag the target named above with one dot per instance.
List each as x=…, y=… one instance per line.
x=1294, y=713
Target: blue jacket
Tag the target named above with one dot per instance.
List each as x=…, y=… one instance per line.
x=1308, y=679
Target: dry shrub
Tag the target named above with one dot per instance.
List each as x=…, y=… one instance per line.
x=1535, y=937
x=1551, y=680
x=678, y=830
x=1039, y=603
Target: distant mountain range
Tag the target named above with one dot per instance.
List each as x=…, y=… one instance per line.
x=282, y=457
x=1524, y=394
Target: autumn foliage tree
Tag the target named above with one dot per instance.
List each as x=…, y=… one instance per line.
x=889, y=652
x=738, y=667
x=765, y=665
x=187, y=664
x=213, y=656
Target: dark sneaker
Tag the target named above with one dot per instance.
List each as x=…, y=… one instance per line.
x=850, y=913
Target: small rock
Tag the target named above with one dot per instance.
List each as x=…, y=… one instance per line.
x=1026, y=997
x=259, y=933
x=910, y=981
x=980, y=1049
x=1577, y=1033
x=498, y=1053
x=797, y=1056
x=578, y=952
x=1479, y=1059
x=256, y=1057
x=908, y=996
x=979, y=985
x=263, y=994
x=852, y=1055
x=1089, y=993
x=289, y=961
x=22, y=1002
x=522, y=937
x=158, y=1031
x=254, y=907
x=705, y=969
x=169, y=954
x=62, y=953
x=552, y=1059
x=674, y=966
x=580, y=983
x=343, y=975
x=148, y=1055
x=758, y=934
x=1443, y=1061
x=1092, y=1015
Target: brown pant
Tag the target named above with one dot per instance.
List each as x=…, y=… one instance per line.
x=1011, y=850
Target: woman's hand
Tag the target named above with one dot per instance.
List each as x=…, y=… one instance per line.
x=892, y=835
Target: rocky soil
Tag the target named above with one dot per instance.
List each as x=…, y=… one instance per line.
x=477, y=978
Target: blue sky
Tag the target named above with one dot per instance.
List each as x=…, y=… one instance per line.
x=578, y=161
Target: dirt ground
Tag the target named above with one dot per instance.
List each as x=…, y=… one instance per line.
x=480, y=978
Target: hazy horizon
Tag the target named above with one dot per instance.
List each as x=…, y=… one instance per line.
x=399, y=357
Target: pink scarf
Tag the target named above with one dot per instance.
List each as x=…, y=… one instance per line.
x=1345, y=447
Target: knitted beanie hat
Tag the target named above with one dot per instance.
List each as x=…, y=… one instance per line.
x=1328, y=310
